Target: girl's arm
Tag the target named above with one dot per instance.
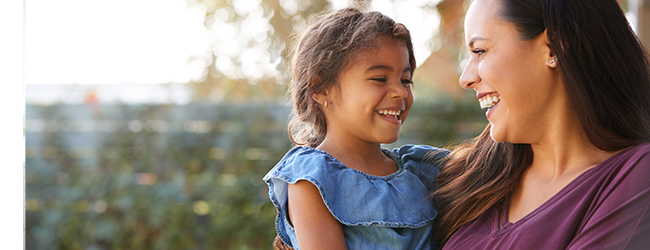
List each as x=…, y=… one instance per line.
x=316, y=227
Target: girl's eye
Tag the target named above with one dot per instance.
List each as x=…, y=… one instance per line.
x=479, y=52
x=407, y=81
x=379, y=79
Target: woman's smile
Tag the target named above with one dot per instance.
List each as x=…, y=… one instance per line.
x=489, y=101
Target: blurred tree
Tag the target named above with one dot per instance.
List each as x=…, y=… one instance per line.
x=439, y=73
x=249, y=38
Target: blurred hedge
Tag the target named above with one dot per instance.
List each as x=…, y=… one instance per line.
x=174, y=177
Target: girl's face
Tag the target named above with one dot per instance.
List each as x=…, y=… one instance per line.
x=374, y=95
x=512, y=76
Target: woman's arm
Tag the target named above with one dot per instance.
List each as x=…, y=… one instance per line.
x=316, y=227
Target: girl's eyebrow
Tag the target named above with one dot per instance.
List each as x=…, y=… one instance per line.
x=474, y=39
x=386, y=67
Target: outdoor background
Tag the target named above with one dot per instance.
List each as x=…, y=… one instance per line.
x=130, y=153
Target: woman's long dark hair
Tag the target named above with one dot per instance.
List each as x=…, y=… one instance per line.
x=605, y=73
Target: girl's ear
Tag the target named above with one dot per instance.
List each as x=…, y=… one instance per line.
x=321, y=97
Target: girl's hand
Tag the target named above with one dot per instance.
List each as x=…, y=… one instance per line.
x=279, y=245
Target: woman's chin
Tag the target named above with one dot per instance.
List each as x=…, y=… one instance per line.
x=496, y=136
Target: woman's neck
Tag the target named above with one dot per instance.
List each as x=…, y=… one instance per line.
x=561, y=146
x=565, y=149
x=561, y=155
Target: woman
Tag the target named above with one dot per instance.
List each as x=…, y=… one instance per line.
x=565, y=160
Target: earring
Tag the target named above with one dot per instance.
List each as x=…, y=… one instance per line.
x=325, y=103
x=552, y=61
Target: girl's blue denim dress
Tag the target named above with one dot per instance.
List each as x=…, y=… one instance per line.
x=377, y=212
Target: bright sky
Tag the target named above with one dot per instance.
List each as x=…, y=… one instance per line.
x=147, y=41
x=117, y=41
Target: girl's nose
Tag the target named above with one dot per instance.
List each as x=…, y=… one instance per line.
x=399, y=91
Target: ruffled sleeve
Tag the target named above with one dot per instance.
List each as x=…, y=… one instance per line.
x=354, y=198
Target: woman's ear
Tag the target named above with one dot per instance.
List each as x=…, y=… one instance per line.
x=551, y=58
x=552, y=63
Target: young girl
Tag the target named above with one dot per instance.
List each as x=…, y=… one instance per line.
x=338, y=189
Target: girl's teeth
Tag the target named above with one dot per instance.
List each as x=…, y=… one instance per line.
x=388, y=112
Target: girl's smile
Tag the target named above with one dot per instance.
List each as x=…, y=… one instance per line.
x=392, y=115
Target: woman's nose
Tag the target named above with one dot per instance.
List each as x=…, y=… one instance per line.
x=470, y=77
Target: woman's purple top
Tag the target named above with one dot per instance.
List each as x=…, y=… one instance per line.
x=606, y=207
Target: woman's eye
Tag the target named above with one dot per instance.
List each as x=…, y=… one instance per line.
x=479, y=52
x=379, y=79
x=407, y=81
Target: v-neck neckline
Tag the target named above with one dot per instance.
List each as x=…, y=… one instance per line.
x=502, y=225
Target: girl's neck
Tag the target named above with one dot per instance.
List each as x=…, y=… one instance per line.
x=363, y=156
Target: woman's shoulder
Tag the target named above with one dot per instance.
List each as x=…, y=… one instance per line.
x=621, y=194
x=641, y=150
x=638, y=155
x=622, y=177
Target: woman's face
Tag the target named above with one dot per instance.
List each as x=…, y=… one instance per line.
x=513, y=78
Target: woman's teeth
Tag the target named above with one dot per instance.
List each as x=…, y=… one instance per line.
x=489, y=101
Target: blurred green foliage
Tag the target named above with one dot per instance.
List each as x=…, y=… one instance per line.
x=136, y=187
x=174, y=177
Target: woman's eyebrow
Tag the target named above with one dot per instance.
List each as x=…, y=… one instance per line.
x=474, y=39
